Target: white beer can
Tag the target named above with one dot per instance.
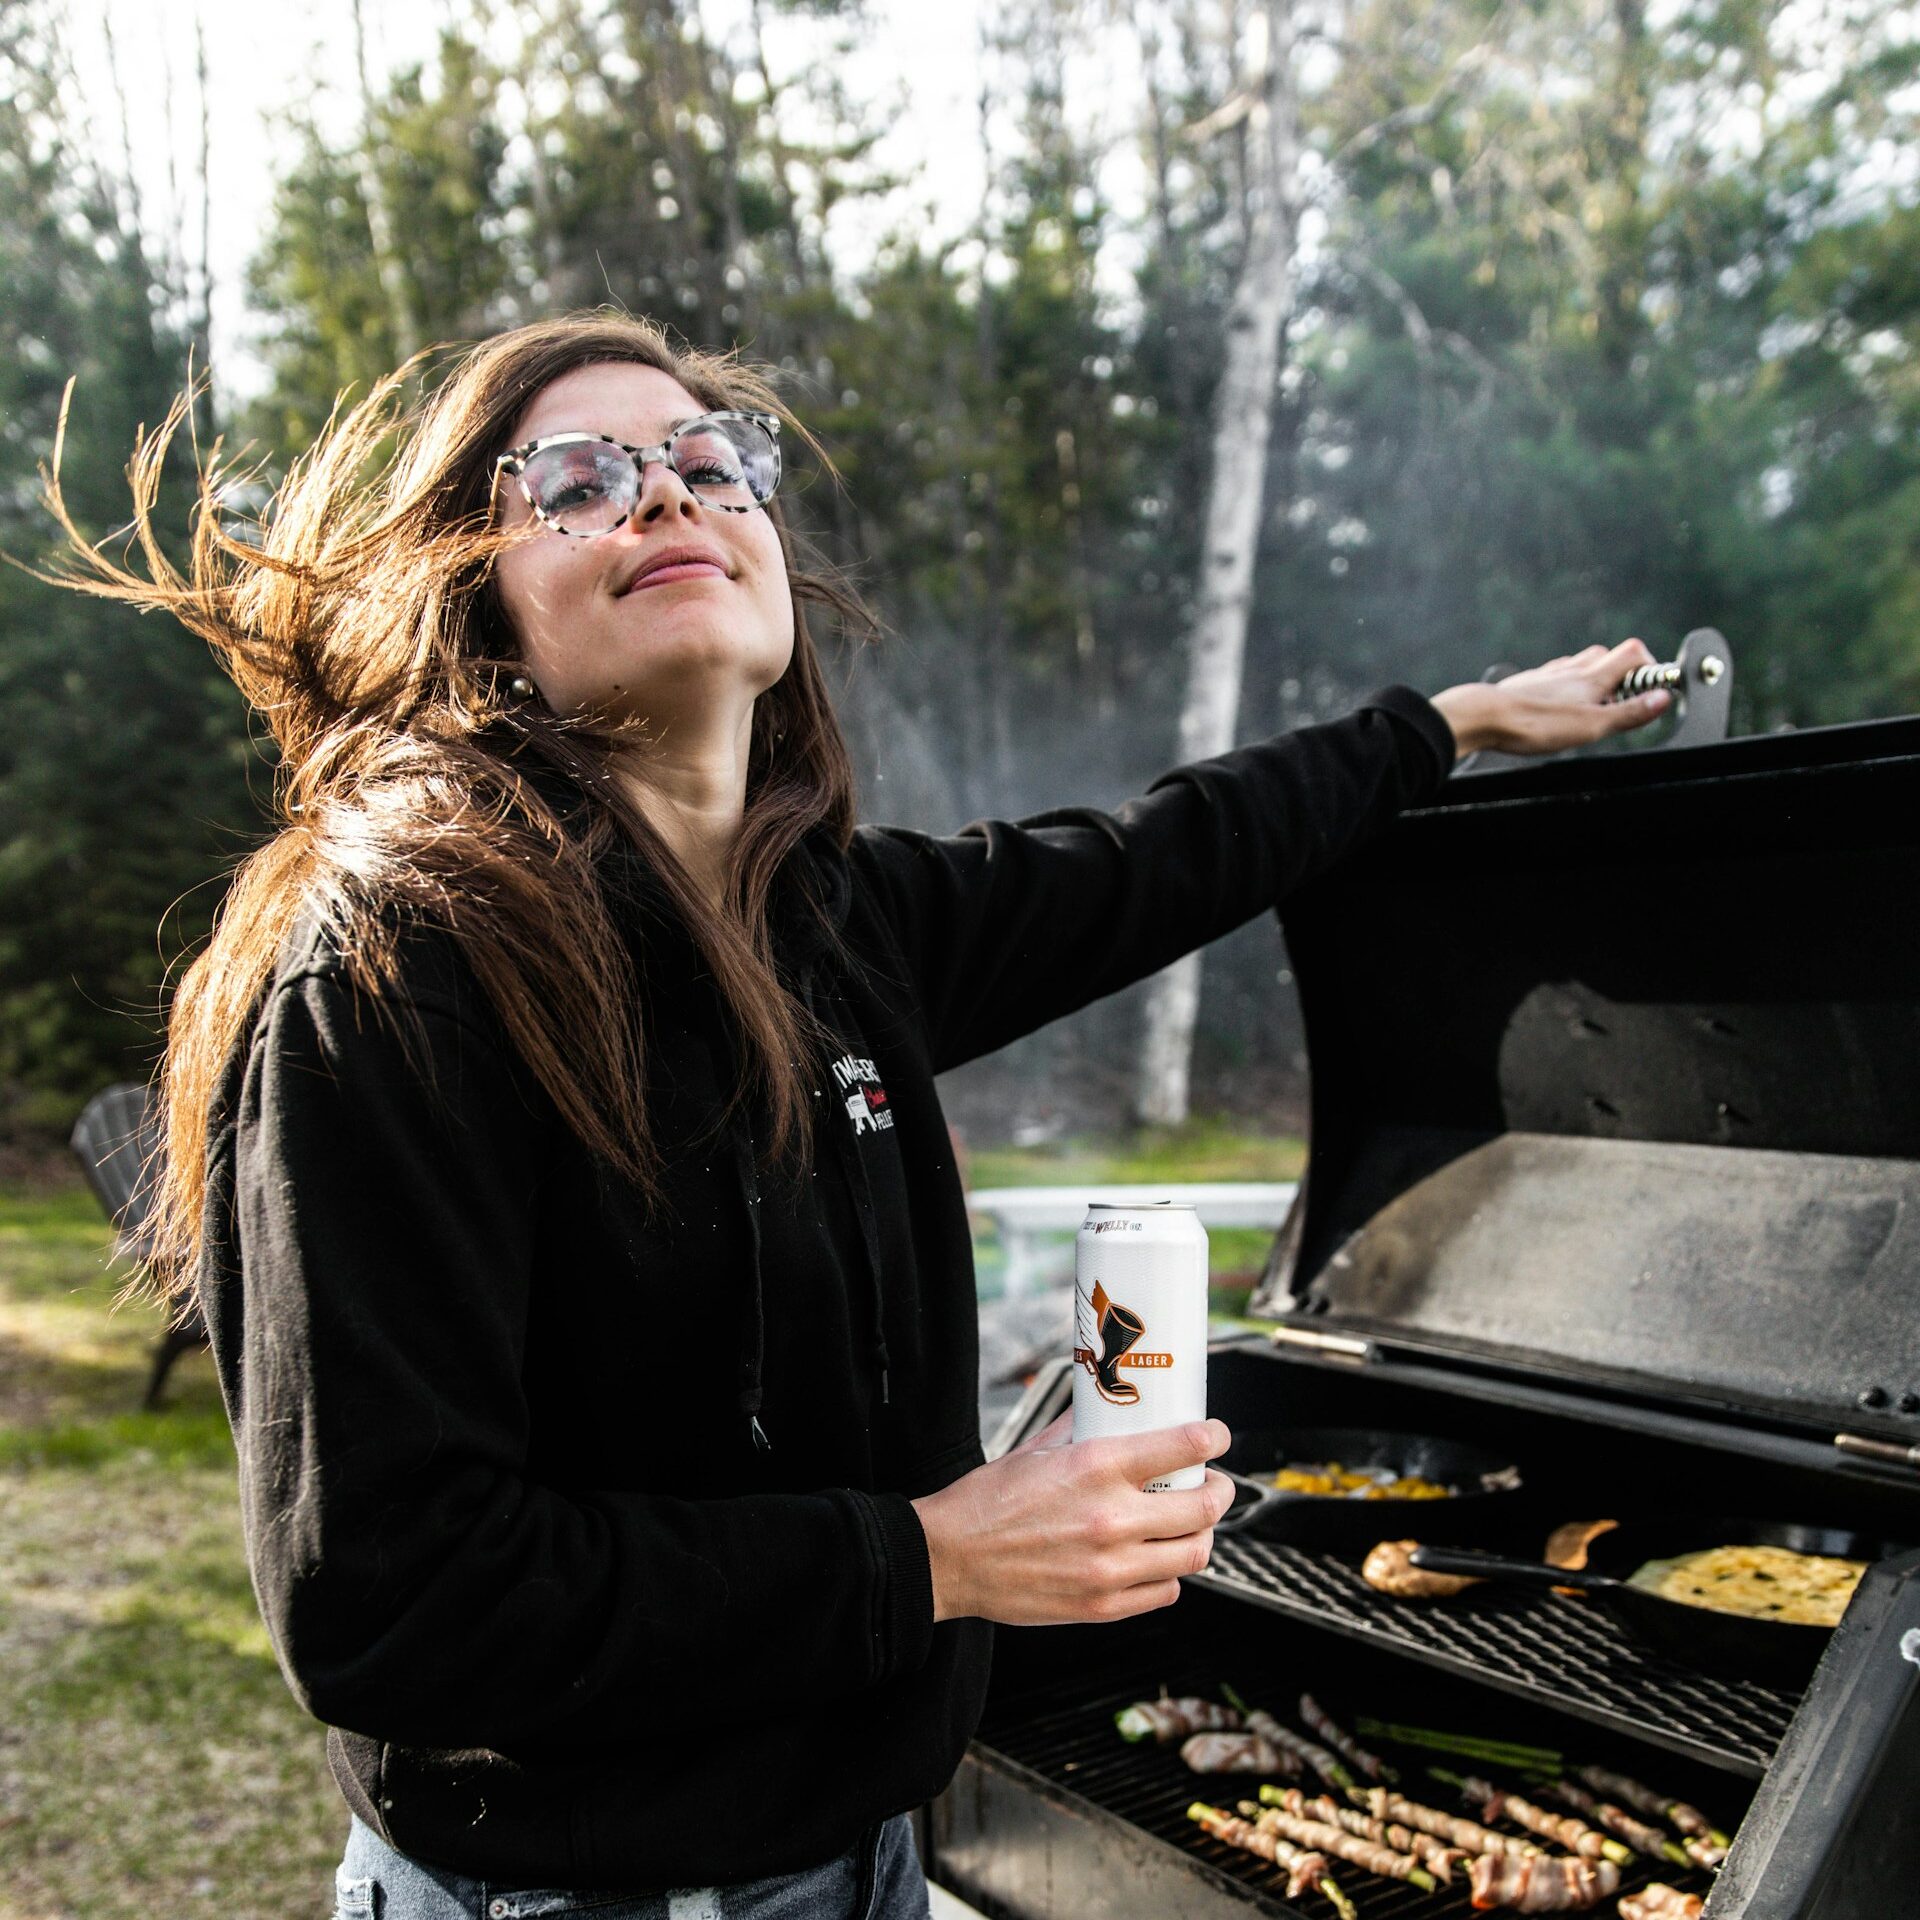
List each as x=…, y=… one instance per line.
x=1140, y=1326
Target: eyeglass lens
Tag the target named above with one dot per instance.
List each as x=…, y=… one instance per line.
x=590, y=486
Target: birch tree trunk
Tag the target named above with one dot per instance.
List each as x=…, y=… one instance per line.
x=386, y=257
x=1243, y=420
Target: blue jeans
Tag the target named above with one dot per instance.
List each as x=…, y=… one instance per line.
x=880, y=1879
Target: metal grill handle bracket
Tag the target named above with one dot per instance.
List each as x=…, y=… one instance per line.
x=1700, y=677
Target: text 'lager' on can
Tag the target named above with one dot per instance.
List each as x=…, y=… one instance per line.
x=1140, y=1325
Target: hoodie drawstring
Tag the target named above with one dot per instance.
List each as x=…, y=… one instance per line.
x=753, y=1356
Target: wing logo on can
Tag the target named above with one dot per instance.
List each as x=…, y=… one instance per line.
x=1111, y=1343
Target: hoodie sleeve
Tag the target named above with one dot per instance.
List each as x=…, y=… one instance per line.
x=1006, y=926
x=420, y=1581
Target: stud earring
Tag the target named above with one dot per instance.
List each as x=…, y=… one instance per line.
x=520, y=687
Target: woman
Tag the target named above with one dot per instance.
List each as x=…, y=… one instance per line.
x=554, y=1150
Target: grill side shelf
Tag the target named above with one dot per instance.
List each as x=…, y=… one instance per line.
x=1560, y=1653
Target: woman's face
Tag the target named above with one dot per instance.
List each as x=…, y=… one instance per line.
x=689, y=647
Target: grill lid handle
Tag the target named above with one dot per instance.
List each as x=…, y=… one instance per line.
x=1699, y=676
x=1889, y=1452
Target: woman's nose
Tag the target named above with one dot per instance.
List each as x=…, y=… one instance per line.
x=662, y=491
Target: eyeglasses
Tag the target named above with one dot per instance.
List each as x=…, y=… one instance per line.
x=584, y=484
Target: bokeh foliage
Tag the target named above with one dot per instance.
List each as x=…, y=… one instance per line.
x=1606, y=325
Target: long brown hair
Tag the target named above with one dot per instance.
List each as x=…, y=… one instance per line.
x=360, y=619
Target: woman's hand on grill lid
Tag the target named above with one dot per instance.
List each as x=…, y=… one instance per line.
x=1566, y=703
x=1053, y=1533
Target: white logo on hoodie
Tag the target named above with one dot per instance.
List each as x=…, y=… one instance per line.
x=865, y=1097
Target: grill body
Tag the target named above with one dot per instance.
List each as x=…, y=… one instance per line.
x=1616, y=1169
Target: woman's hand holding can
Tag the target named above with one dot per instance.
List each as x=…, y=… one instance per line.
x=1055, y=1533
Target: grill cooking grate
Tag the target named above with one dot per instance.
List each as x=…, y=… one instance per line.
x=1565, y=1653
x=1064, y=1732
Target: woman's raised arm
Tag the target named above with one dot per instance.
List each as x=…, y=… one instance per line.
x=1008, y=925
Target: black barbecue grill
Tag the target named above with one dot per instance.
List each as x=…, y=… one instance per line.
x=1615, y=1169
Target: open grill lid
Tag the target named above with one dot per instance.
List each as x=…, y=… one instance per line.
x=1616, y=1076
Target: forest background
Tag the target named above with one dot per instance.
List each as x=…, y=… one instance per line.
x=1601, y=318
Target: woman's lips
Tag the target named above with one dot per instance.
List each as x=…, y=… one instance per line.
x=679, y=570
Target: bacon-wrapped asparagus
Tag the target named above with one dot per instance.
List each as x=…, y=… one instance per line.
x=1704, y=1853
x=1468, y=1835
x=1342, y=1742
x=1561, y=1828
x=1385, y=1861
x=1541, y=1883
x=1689, y=1820
x=1304, y=1869
x=1318, y=1758
x=1661, y=1902
x=1435, y=1855
x=1616, y=1820
x=1242, y=1752
x=1167, y=1720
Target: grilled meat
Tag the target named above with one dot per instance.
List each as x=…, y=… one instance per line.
x=1168, y=1720
x=1468, y=1835
x=1661, y=1902
x=1616, y=1786
x=1304, y=1867
x=1436, y=1856
x=1233, y=1753
x=1388, y=1569
x=1383, y=1860
x=1561, y=1828
x=1616, y=1820
x=1297, y=1750
x=1541, y=1884
x=1704, y=1852
x=1341, y=1741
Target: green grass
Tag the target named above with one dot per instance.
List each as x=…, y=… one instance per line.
x=151, y=1757
x=1201, y=1150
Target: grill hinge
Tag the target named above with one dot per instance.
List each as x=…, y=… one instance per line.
x=1341, y=1347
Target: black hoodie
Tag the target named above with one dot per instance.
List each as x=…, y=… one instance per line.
x=585, y=1528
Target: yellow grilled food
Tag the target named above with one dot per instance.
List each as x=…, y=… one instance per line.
x=1766, y=1583
x=1335, y=1482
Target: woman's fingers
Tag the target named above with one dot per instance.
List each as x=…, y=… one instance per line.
x=1140, y=1457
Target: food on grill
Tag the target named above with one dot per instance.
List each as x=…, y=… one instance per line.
x=1561, y=1828
x=1290, y=1743
x=1541, y=1884
x=1435, y=1855
x=1168, y=1720
x=1388, y=1569
x=1385, y=1861
x=1471, y=1746
x=1468, y=1835
x=1616, y=1820
x=1304, y=1869
x=1333, y=1481
x=1244, y=1752
x=1343, y=1742
x=1661, y=1902
x=1763, y=1583
x=1567, y=1545
x=1688, y=1820
x=1710, y=1854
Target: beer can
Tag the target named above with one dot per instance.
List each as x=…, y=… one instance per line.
x=1140, y=1325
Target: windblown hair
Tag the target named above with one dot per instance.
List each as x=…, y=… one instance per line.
x=361, y=621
